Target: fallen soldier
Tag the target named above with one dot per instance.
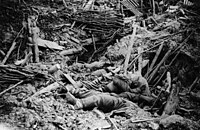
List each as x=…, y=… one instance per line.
x=121, y=94
x=128, y=86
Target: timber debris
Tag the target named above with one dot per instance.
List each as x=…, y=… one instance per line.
x=54, y=51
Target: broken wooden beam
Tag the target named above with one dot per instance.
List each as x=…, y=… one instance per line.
x=154, y=60
x=129, y=50
x=71, y=51
x=50, y=87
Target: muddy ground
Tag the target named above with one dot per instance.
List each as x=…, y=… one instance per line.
x=87, y=45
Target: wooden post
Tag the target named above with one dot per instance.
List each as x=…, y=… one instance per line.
x=35, y=32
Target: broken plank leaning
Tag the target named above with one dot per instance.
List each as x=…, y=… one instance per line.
x=12, y=47
x=178, y=48
x=11, y=87
x=140, y=63
x=158, y=66
x=129, y=50
x=154, y=60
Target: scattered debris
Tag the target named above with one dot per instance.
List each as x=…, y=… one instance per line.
x=50, y=49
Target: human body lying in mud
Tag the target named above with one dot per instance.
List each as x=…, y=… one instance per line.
x=121, y=92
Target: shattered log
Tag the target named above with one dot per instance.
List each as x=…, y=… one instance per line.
x=173, y=100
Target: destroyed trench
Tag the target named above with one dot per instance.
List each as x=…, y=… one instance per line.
x=99, y=65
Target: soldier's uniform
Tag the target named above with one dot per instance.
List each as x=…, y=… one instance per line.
x=120, y=91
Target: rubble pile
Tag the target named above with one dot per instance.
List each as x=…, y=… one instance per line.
x=64, y=45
